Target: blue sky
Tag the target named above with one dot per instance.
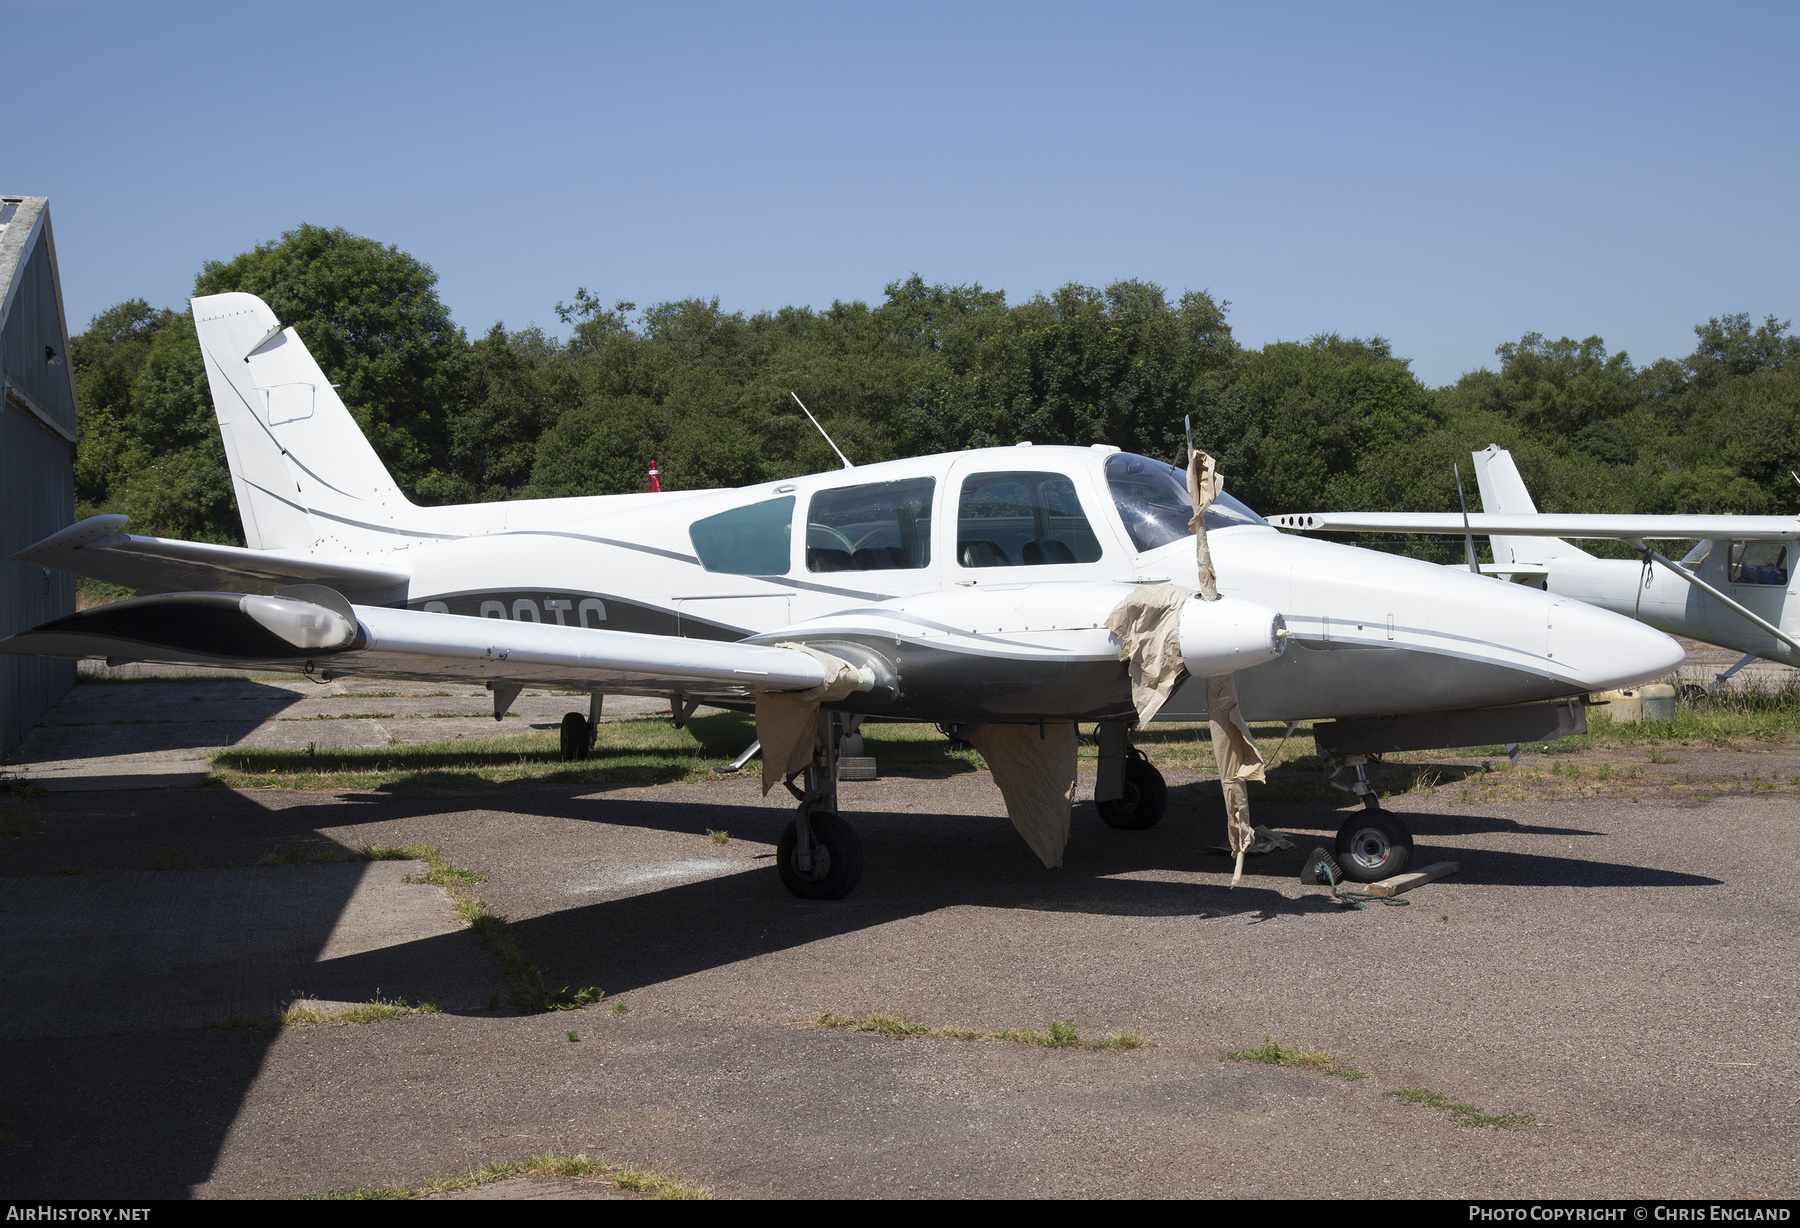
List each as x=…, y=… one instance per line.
x=1447, y=176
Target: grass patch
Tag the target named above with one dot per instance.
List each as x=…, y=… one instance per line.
x=1466, y=1116
x=718, y=837
x=1062, y=1034
x=172, y=858
x=577, y=1167
x=1273, y=1053
x=363, y=1012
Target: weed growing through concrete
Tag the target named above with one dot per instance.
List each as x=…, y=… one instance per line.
x=171, y=858
x=619, y=1008
x=718, y=837
x=577, y=1167
x=531, y=992
x=364, y=1012
x=1462, y=1115
x=1062, y=1034
x=573, y=1036
x=1273, y=1053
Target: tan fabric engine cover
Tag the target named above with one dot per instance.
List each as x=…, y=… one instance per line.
x=1147, y=624
x=787, y=722
x=1035, y=769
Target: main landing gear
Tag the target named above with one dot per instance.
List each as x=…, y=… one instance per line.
x=818, y=855
x=1373, y=845
x=1129, y=792
x=579, y=732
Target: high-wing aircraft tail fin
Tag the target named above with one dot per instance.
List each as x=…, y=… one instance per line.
x=304, y=474
x=1503, y=490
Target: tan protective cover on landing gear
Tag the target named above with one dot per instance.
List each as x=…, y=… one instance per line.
x=787, y=722
x=1034, y=765
x=1147, y=624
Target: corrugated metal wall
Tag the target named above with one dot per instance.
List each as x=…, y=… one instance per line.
x=37, y=497
x=37, y=480
x=34, y=322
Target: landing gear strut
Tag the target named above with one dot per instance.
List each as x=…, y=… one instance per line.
x=1360, y=787
x=818, y=855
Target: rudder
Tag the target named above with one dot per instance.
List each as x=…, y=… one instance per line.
x=1503, y=490
x=304, y=474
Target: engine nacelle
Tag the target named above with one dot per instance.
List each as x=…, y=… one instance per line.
x=1224, y=636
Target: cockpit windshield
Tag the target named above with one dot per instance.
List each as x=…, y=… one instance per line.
x=1152, y=499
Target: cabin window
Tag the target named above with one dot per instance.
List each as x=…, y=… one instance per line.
x=747, y=541
x=883, y=526
x=1152, y=499
x=1759, y=563
x=1022, y=520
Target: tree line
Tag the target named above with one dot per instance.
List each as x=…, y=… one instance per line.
x=1330, y=422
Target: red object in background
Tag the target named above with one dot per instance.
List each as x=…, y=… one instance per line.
x=653, y=484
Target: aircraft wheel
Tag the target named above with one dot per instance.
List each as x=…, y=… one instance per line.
x=1371, y=802
x=574, y=736
x=1146, y=796
x=837, y=858
x=1372, y=846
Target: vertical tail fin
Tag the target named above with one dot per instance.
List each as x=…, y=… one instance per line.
x=1503, y=490
x=305, y=476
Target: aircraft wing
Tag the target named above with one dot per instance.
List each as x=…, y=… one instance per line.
x=329, y=636
x=1544, y=524
x=96, y=548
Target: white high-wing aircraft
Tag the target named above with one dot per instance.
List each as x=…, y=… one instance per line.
x=1735, y=588
x=969, y=589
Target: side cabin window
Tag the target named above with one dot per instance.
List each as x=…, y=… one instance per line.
x=1022, y=520
x=1759, y=563
x=883, y=526
x=747, y=541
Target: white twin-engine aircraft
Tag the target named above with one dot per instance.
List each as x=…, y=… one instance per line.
x=970, y=589
x=1735, y=588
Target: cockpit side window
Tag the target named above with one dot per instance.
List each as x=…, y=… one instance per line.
x=883, y=526
x=1152, y=499
x=1759, y=563
x=1022, y=519
x=747, y=541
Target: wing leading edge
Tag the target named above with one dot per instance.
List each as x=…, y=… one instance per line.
x=279, y=632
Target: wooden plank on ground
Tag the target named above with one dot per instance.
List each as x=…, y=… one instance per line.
x=1406, y=882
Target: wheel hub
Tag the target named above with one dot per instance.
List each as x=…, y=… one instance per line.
x=1369, y=848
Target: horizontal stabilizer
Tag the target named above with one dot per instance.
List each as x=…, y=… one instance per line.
x=96, y=548
x=1512, y=524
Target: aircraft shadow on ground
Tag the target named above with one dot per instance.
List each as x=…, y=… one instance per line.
x=132, y=718
x=165, y=1101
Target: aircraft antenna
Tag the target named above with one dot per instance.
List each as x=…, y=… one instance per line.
x=1187, y=424
x=820, y=429
x=1468, y=537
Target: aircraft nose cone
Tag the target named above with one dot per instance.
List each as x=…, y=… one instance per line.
x=1600, y=651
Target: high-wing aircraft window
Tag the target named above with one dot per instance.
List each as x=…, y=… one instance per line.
x=1022, y=520
x=1152, y=499
x=1759, y=563
x=746, y=541
x=884, y=526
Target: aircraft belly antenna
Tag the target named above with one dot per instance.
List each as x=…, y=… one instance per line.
x=1468, y=537
x=1187, y=424
x=820, y=429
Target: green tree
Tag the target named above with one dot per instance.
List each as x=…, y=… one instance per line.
x=370, y=314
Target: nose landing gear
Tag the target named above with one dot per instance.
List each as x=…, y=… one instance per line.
x=1372, y=846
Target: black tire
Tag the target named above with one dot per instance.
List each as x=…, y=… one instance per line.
x=1146, y=796
x=837, y=858
x=1373, y=845
x=574, y=736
